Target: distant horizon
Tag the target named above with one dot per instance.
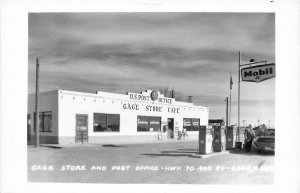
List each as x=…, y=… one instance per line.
x=192, y=53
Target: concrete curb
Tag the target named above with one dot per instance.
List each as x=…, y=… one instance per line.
x=60, y=146
x=203, y=156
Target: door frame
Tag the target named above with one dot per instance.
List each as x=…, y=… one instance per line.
x=87, y=127
x=172, y=129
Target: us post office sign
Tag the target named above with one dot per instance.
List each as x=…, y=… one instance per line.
x=258, y=73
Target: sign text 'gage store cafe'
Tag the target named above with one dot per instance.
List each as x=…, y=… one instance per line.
x=75, y=117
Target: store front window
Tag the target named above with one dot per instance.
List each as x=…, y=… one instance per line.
x=106, y=122
x=191, y=124
x=45, y=121
x=148, y=124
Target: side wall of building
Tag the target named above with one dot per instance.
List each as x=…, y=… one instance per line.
x=47, y=103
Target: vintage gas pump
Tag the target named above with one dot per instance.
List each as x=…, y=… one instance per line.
x=217, y=139
x=205, y=140
x=230, y=137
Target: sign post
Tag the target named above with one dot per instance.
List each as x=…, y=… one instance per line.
x=239, y=87
x=37, y=115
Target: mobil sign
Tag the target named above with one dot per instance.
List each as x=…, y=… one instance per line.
x=258, y=73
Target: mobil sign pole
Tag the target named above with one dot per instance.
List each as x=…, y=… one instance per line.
x=254, y=72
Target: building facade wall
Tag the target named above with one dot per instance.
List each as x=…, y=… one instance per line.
x=72, y=103
x=65, y=105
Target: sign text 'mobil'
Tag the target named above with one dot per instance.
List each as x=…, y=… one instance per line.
x=258, y=73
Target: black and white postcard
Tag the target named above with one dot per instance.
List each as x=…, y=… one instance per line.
x=149, y=96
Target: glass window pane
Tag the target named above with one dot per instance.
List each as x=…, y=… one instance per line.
x=195, y=124
x=48, y=122
x=147, y=123
x=81, y=120
x=48, y=113
x=113, y=122
x=45, y=121
x=154, y=123
x=187, y=124
x=142, y=123
x=41, y=122
x=99, y=122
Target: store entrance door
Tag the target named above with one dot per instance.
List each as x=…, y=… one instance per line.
x=28, y=127
x=81, y=128
x=170, y=131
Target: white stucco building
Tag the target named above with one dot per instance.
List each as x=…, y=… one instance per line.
x=77, y=117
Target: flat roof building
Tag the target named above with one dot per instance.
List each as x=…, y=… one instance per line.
x=76, y=117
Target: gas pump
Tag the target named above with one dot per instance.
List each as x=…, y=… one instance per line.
x=205, y=140
x=217, y=139
x=230, y=137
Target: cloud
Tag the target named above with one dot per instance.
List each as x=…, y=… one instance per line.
x=193, y=53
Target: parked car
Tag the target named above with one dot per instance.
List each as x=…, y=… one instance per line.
x=263, y=143
x=271, y=132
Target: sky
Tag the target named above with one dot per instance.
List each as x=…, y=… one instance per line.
x=192, y=53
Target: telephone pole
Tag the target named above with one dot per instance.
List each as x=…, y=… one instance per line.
x=231, y=83
x=37, y=117
x=226, y=99
x=239, y=91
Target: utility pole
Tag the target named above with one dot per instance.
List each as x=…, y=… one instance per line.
x=231, y=83
x=36, y=125
x=239, y=91
x=226, y=111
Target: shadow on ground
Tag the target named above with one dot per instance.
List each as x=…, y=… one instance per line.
x=112, y=145
x=179, y=152
x=262, y=153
